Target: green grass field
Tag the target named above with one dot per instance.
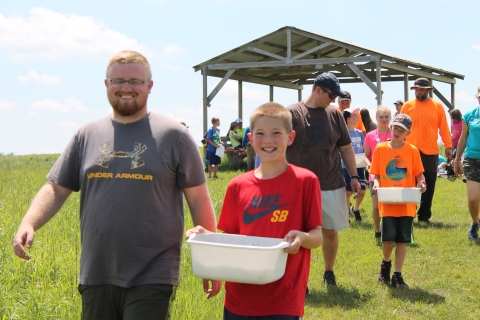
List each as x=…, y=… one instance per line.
x=441, y=267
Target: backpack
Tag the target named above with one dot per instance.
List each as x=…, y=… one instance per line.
x=204, y=140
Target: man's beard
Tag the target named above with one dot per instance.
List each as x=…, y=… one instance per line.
x=422, y=97
x=126, y=110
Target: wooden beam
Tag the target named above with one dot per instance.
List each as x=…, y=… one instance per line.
x=271, y=93
x=364, y=78
x=443, y=99
x=220, y=85
x=315, y=49
x=266, y=53
x=205, y=99
x=223, y=66
x=405, y=86
x=452, y=94
x=418, y=73
x=299, y=95
x=240, y=99
x=379, y=81
x=276, y=83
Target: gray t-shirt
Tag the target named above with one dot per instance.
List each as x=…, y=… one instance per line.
x=319, y=133
x=131, y=178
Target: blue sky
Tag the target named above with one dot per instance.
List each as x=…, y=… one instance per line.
x=53, y=55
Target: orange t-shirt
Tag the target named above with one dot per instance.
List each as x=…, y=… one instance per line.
x=397, y=168
x=428, y=117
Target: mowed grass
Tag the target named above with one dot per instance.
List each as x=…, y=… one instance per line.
x=441, y=267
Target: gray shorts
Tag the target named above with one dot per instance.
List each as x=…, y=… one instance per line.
x=334, y=210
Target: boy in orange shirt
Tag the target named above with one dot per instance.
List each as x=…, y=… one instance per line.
x=397, y=164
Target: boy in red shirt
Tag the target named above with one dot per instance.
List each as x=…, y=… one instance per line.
x=277, y=200
x=397, y=164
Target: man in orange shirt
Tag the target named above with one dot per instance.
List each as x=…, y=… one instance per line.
x=429, y=118
x=344, y=103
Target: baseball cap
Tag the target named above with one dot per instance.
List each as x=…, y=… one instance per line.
x=400, y=102
x=402, y=120
x=478, y=92
x=347, y=96
x=329, y=80
x=239, y=120
x=351, y=111
x=423, y=83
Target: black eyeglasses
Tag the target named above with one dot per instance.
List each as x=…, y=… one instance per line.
x=132, y=82
x=331, y=96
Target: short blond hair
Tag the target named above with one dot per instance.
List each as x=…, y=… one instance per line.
x=275, y=111
x=383, y=109
x=128, y=56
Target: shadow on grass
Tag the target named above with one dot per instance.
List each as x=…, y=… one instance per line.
x=434, y=225
x=416, y=295
x=337, y=297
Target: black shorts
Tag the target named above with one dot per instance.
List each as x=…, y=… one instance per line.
x=140, y=302
x=227, y=315
x=397, y=229
x=213, y=158
x=361, y=178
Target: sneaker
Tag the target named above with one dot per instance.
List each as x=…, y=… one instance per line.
x=378, y=234
x=473, y=233
x=384, y=275
x=358, y=217
x=397, y=281
x=329, y=278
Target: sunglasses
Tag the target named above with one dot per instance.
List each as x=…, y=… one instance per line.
x=331, y=96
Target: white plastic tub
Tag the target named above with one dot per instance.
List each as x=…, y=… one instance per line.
x=360, y=160
x=237, y=258
x=399, y=195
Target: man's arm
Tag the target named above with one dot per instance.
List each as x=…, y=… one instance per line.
x=44, y=206
x=348, y=157
x=202, y=212
x=445, y=133
x=462, y=143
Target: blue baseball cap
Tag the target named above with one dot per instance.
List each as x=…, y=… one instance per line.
x=329, y=80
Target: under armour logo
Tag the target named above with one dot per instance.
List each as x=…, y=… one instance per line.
x=108, y=153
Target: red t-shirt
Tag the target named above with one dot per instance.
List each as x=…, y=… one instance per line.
x=397, y=168
x=271, y=208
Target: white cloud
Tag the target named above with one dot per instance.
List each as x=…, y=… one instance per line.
x=33, y=114
x=173, y=49
x=465, y=97
x=7, y=105
x=55, y=106
x=476, y=47
x=49, y=35
x=32, y=75
x=67, y=125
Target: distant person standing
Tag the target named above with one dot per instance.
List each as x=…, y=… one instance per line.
x=398, y=106
x=321, y=141
x=250, y=151
x=428, y=116
x=213, y=141
x=470, y=144
x=456, y=125
x=344, y=102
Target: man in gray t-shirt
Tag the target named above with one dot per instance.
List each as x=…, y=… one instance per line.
x=132, y=169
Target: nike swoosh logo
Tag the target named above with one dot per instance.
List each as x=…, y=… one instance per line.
x=249, y=218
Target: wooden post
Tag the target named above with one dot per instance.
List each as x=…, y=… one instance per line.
x=405, y=86
x=452, y=97
x=431, y=91
x=205, y=98
x=299, y=95
x=379, y=81
x=271, y=93
x=240, y=99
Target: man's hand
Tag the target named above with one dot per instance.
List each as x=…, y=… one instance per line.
x=448, y=153
x=23, y=238
x=212, y=290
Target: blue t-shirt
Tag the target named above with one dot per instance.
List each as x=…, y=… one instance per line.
x=358, y=140
x=245, y=137
x=214, y=135
x=472, y=120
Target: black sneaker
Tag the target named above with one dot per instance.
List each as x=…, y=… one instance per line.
x=473, y=232
x=397, y=281
x=329, y=278
x=358, y=217
x=384, y=275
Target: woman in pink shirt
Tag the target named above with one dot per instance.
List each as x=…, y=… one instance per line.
x=379, y=135
x=456, y=128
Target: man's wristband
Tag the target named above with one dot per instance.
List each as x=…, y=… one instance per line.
x=354, y=177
